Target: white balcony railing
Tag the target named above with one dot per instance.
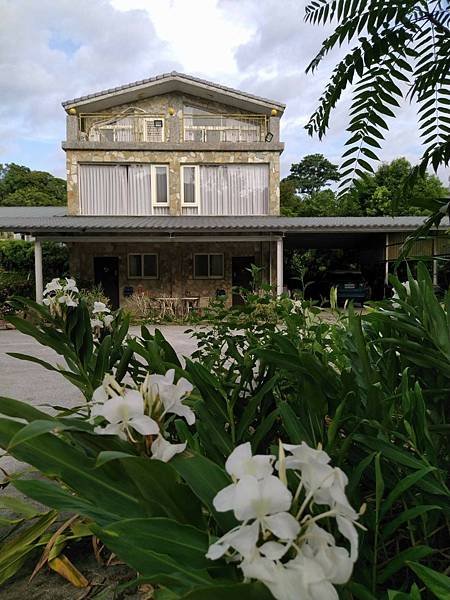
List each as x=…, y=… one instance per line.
x=140, y=127
x=225, y=128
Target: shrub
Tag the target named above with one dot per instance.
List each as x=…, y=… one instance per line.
x=367, y=394
x=18, y=255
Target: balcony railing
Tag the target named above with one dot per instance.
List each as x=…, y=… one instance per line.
x=146, y=127
x=132, y=127
x=225, y=128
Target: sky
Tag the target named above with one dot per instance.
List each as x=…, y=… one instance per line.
x=54, y=50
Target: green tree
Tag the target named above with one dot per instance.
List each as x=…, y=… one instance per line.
x=313, y=173
x=400, y=51
x=385, y=192
x=20, y=186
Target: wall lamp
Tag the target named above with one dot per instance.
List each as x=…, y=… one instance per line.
x=269, y=137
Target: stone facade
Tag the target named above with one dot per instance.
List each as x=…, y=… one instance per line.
x=175, y=259
x=173, y=151
x=176, y=265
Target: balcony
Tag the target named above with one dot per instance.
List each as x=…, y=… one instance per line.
x=131, y=127
x=225, y=128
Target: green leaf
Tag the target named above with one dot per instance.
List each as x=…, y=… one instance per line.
x=249, y=591
x=183, y=543
x=437, y=583
x=407, y=515
x=206, y=479
x=153, y=546
x=402, y=486
x=401, y=559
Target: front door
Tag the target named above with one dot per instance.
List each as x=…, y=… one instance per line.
x=241, y=275
x=106, y=274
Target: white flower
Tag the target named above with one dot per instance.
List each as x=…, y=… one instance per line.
x=164, y=450
x=284, y=583
x=68, y=300
x=242, y=538
x=125, y=412
x=96, y=323
x=71, y=286
x=161, y=389
x=100, y=307
x=265, y=500
x=334, y=560
x=241, y=462
x=107, y=320
x=53, y=286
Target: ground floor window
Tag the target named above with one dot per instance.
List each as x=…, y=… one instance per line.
x=142, y=266
x=208, y=266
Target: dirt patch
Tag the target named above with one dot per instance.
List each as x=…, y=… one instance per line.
x=48, y=585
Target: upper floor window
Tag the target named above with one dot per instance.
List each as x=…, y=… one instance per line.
x=117, y=189
x=200, y=125
x=225, y=189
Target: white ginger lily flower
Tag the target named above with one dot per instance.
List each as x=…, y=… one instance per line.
x=284, y=583
x=68, y=300
x=123, y=413
x=100, y=307
x=53, y=286
x=241, y=462
x=71, y=286
x=242, y=538
x=160, y=389
x=164, y=450
x=266, y=500
x=107, y=320
x=334, y=560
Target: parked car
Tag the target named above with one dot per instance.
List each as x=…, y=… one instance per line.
x=350, y=284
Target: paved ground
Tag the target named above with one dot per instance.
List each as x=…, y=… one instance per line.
x=32, y=383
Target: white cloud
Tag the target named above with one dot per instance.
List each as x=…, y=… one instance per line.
x=55, y=50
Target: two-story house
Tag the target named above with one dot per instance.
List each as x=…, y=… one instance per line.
x=153, y=168
x=173, y=191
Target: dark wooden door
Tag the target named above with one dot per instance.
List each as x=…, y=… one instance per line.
x=106, y=274
x=241, y=275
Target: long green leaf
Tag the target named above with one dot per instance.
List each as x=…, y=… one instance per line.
x=437, y=583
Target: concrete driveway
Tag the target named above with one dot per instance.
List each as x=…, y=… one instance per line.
x=32, y=383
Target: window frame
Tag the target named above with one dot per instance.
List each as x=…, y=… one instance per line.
x=142, y=276
x=153, y=189
x=195, y=204
x=163, y=130
x=209, y=276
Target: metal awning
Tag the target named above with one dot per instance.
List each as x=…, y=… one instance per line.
x=53, y=221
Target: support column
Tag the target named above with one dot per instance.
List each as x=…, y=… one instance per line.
x=279, y=266
x=38, y=270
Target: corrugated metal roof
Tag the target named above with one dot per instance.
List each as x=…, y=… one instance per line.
x=167, y=77
x=204, y=224
x=32, y=211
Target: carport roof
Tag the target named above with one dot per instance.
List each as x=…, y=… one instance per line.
x=55, y=220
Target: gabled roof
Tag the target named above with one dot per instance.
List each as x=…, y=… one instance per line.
x=173, y=82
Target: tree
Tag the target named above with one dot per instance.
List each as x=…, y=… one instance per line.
x=401, y=53
x=385, y=192
x=313, y=173
x=20, y=186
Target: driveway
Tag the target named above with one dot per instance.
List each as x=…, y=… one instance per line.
x=32, y=383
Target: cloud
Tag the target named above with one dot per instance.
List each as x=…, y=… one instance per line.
x=52, y=51
x=56, y=50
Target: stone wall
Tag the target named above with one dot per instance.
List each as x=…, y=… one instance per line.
x=176, y=265
x=177, y=152
x=174, y=159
